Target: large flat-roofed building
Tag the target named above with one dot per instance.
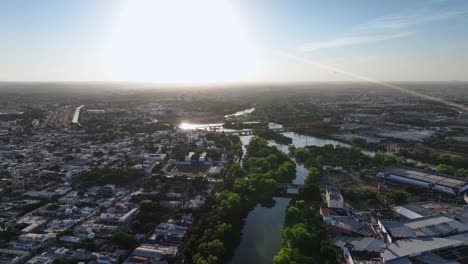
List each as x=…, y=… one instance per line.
x=439, y=182
x=402, y=250
x=429, y=226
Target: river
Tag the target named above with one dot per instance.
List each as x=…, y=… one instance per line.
x=261, y=235
x=241, y=113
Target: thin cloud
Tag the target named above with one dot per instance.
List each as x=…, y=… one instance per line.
x=381, y=29
x=351, y=40
x=405, y=21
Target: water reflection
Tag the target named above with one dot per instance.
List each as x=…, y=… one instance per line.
x=192, y=126
x=261, y=235
x=241, y=113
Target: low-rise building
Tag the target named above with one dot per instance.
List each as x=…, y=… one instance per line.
x=334, y=198
x=360, y=249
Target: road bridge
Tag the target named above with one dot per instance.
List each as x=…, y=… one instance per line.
x=289, y=186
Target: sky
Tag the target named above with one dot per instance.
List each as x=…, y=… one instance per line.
x=217, y=41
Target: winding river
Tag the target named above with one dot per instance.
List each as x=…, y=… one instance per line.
x=261, y=235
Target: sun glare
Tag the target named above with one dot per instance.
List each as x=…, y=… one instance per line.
x=180, y=41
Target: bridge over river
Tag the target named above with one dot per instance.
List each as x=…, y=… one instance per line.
x=289, y=186
x=247, y=131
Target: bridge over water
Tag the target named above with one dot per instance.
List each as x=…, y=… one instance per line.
x=248, y=131
x=289, y=186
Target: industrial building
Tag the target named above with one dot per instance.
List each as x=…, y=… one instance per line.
x=439, y=182
x=429, y=226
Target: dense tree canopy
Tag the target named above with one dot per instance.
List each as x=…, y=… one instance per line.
x=107, y=175
x=124, y=239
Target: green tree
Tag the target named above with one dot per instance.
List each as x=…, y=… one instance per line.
x=199, y=259
x=213, y=248
x=310, y=193
x=396, y=197
x=124, y=239
x=443, y=168
x=61, y=260
x=301, y=238
x=240, y=186
x=328, y=253
x=293, y=216
x=284, y=256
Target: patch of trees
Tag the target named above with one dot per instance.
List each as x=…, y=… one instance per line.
x=8, y=233
x=4, y=173
x=365, y=197
x=225, y=141
x=181, y=150
x=124, y=239
x=305, y=236
x=218, y=232
x=269, y=134
x=396, y=197
x=448, y=169
x=317, y=129
x=28, y=116
x=107, y=175
x=450, y=145
x=150, y=215
x=100, y=123
x=346, y=157
x=62, y=260
x=431, y=157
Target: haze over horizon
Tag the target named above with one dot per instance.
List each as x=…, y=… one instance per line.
x=222, y=41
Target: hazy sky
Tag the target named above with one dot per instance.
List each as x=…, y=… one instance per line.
x=208, y=41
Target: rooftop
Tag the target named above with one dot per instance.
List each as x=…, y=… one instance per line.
x=415, y=246
x=430, y=226
x=433, y=178
x=334, y=193
x=368, y=244
x=350, y=223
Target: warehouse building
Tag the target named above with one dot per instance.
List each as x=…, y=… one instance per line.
x=439, y=182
